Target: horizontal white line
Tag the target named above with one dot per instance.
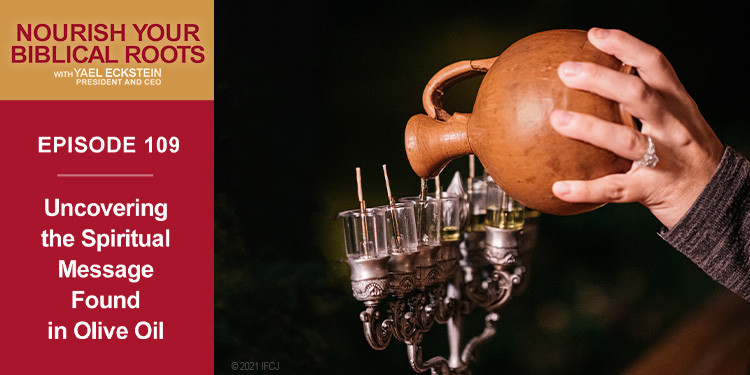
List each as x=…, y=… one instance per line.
x=103, y=175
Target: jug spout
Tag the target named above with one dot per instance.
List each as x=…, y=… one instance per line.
x=432, y=144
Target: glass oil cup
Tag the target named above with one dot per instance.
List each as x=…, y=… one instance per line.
x=503, y=211
x=367, y=253
x=504, y=222
x=428, y=241
x=477, y=204
x=402, y=247
x=448, y=209
x=472, y=247
x=438, y=227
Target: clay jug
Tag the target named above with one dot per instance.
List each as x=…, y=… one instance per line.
x=509, y=129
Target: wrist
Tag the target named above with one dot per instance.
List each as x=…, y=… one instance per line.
x=686, y=192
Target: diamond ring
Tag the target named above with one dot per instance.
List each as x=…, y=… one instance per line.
x=649, y=159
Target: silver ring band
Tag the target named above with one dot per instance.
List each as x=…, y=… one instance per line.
x=649, y=159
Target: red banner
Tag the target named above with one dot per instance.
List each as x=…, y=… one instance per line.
x=108, y=237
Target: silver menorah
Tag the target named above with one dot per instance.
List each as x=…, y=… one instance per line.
x=434, y=259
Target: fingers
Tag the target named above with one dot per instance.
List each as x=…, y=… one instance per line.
x=626, y=142
x=615, y=188
x=631, y=91
x=652, y=66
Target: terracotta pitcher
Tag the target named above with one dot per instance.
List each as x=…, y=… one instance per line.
x=509, y=129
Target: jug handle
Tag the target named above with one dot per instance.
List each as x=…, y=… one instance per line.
x=432, y=98
x=433, y=140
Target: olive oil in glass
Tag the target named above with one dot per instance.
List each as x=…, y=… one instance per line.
x=505, y=219
x=476, y=222
x=450, y=234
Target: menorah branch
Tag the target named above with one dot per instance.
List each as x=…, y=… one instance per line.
x=438, y=365
x=378, y=331
x=490, y=328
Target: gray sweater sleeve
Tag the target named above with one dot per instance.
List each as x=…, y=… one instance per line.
x=715, y=232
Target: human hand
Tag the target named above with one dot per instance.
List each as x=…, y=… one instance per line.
x=688, y=150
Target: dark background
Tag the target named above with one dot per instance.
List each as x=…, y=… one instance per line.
x=305, y=92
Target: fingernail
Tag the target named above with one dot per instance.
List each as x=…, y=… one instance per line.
x=561, y=118
x=561, y=188
x=601, y=33
x=571, y=68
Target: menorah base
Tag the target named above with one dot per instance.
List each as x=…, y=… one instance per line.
x=486, y=279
